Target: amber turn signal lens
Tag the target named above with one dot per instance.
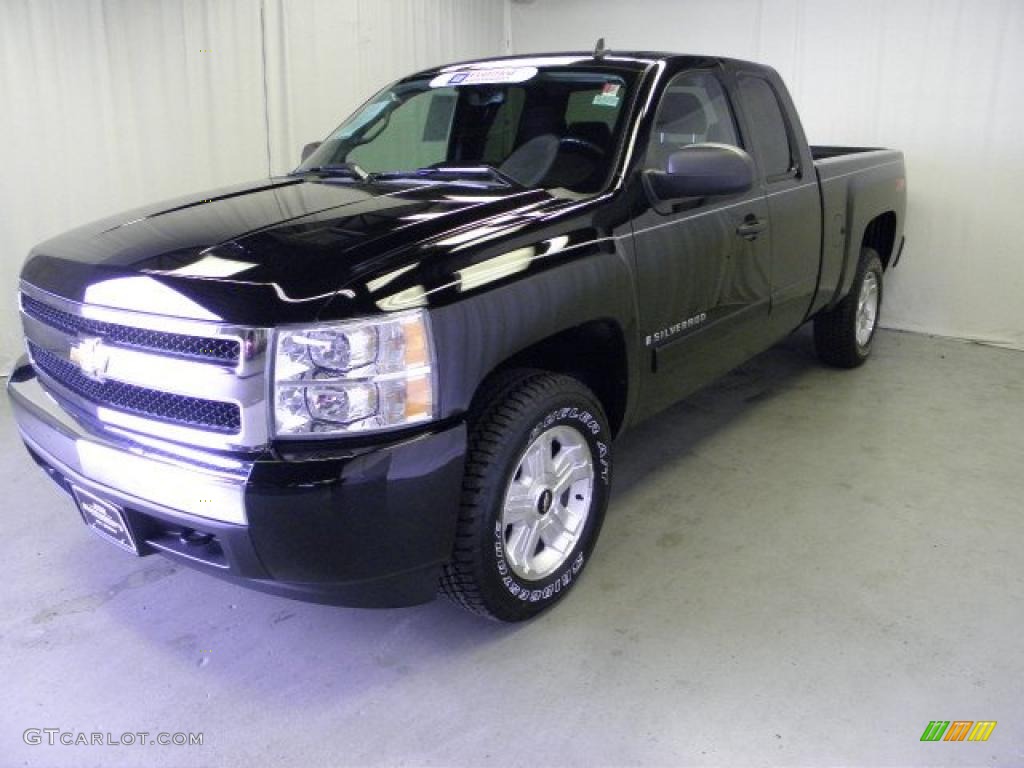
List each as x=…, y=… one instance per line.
x=418, y=400
x=416, y=349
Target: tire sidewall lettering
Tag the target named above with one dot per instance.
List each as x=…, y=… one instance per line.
x=591, y=426
x=525, y=591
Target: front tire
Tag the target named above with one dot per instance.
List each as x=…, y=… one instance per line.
x=843, y=335
x=534, y=494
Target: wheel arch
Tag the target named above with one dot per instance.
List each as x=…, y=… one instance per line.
x=880, y=234
x=593, y=353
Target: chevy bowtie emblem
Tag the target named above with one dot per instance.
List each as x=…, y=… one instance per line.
x=91, y=357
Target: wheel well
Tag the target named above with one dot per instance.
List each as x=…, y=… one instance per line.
x=880, y=234
x=594, y=353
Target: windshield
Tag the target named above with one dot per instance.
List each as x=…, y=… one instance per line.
x=550, y=127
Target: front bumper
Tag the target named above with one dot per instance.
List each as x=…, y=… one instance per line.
x=366, y=527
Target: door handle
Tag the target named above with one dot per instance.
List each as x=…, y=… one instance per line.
x=751, y=227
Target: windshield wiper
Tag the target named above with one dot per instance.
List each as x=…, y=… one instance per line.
x=454, y=172
x=351, y=169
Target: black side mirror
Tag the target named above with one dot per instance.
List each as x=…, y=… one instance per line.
x=309, y=149
x=701, y=170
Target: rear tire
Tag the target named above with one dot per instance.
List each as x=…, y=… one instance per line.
x=843, y=335
x=538, y=472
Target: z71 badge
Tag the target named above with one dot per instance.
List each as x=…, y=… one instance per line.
x=673, y=330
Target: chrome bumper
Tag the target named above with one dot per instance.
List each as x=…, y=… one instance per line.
x=169, y=480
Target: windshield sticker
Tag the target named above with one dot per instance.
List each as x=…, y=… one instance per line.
x=484, y=76
x=609, y=96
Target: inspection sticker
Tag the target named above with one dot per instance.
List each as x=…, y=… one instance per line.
x=484, y=76
x=609, y=96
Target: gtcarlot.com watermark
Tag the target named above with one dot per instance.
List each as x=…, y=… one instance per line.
x=55, y=736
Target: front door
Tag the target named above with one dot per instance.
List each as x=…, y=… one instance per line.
x=703, y=268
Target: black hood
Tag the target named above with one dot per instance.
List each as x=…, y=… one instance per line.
x=272, y=251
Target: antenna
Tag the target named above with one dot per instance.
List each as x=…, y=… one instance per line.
x=599, y=50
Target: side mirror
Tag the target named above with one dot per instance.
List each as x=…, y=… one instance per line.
x=701, y=170
x=309, y=149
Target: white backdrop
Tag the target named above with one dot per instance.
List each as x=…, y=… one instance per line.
x=942, y=80
x=109, y=105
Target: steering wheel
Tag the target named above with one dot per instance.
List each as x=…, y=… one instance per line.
x=588, y=147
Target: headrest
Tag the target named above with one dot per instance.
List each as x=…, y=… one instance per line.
x=682, y=112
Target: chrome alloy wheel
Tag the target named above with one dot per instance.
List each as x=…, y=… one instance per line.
x=547, y=502
x=867, y=309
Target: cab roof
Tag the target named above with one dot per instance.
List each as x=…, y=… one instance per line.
x=634, y=60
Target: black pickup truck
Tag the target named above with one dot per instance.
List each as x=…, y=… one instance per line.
x=400, y=368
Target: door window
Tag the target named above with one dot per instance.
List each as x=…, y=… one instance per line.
x=693, y=110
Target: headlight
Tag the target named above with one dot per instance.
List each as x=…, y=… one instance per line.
x=347, y=377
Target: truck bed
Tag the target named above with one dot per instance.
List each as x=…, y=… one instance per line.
x=858, y=185
x=823, y=152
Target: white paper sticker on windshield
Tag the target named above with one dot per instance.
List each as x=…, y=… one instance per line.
x=484, y=76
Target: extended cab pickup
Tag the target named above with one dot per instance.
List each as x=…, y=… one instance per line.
x=401, y=366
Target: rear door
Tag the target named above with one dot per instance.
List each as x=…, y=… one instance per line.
x=791, y=190
x=703, y=267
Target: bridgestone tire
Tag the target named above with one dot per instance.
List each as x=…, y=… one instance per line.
x=511, y=414
x=835, y=331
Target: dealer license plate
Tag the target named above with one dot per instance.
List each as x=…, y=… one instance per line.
x=106, y=519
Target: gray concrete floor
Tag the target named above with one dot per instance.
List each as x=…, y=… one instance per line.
x=800, y=566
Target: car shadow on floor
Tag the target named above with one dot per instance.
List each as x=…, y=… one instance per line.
x=681, y=429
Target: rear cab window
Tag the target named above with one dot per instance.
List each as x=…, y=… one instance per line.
x=772, y=138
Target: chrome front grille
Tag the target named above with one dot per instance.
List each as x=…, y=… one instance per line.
x=184, y=381
x=176, y=344
x=162, y=406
